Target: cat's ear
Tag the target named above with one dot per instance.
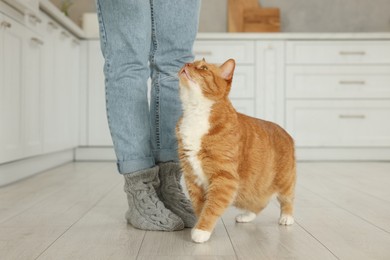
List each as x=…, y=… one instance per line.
x=227, y=69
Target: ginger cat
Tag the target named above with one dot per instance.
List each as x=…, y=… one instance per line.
x=227, y=157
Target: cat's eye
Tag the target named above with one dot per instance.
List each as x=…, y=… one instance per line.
x=204, y=68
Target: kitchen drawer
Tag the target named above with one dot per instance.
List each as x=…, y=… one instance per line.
x=244, y=106
x=339, y=123
x=220, y=51
x=338, y=52
x=243, y=82
x=338, y=82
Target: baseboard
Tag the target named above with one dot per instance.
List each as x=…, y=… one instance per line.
x=100, y=153
x=343, y=154
x=17, y=170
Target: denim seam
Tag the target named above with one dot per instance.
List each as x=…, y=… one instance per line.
x=102, y=27
x=156, y=78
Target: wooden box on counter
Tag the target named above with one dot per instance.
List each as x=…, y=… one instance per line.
x=248, y=16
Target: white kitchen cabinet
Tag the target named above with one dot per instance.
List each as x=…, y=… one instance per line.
x=338, y=98
x=40, y=83
x=32, y=97
x=21, y=99
x=98, y=133
x=12, y=106
x=62, y=83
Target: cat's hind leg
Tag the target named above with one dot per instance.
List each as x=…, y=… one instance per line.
x=286, y=208
x=246, y=217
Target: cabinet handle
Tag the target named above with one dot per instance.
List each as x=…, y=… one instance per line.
x=352, y=116
x=36, y=40
x=53, y=25
x=6, y=24
x=361, y=53
x=65, y=34
x=205, y=53
x=352, y=82
x=76, y=42
x=35, y=18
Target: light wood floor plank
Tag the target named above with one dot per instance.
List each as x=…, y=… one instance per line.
x=372, y=209
x=76, y=211
x=179, y=243
x=263, y=238
x=101, y=234
x=344, y=234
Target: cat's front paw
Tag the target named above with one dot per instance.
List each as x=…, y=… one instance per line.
x=286, y=220
x=200, y=236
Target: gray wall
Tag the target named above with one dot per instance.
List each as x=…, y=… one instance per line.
x=297, y=15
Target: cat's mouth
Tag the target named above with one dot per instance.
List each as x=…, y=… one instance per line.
x=185, y=73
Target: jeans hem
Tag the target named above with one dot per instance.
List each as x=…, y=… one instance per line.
x=126, y=167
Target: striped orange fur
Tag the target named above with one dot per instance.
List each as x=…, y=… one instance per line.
x=229, y=158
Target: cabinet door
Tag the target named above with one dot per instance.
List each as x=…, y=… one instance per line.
x=270, y=81
x=98, y=131
x=50, y=136
x=11, y=139
x=62, y=85
x=33, y=80
x=75, y=51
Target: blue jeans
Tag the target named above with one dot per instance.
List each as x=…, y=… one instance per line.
x=141, y=39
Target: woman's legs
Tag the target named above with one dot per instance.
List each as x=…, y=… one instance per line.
x=125, y=28
x=174, y=28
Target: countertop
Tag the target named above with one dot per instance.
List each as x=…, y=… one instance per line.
x=49, y=8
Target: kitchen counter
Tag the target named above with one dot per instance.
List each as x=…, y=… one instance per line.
x=49, y=8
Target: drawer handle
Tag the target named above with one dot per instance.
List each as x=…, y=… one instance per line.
x=65, y=34
x=53, y=25
x=361, y=53
x=352, y=82
x=35, y=18
x=36, y=40
x=205, y=53
x=6, y=24
x=352, y=116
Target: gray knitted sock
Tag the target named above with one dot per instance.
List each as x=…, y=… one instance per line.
x=146, y=211
x=171, y=193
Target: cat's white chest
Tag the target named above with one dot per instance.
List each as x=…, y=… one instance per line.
x=194, y=125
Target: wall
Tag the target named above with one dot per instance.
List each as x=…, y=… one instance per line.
x=297, y=15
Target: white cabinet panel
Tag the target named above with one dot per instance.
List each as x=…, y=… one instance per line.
x=329, y=123
x=269, y=81
x=338, y=82
x=98, y=131
x=243, y=82
x=11, y=144
x=338, y=52
x=51, y=138
x=33, y=102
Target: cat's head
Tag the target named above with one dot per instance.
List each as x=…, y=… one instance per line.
x=210, y=80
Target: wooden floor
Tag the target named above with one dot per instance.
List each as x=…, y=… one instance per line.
x=76, y=211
